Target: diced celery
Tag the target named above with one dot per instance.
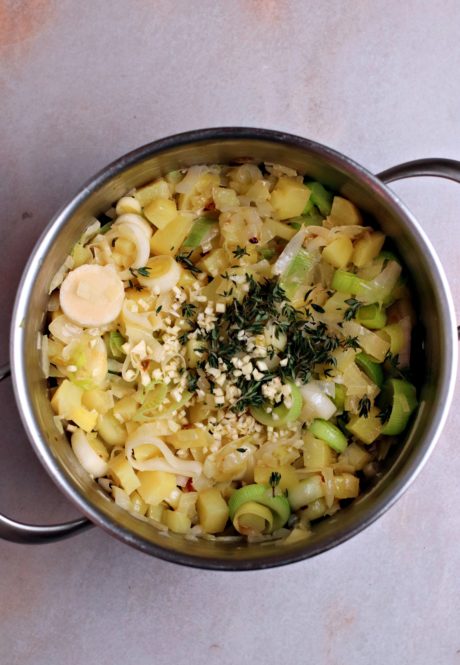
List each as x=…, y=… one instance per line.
x=202, y=227
x=320, y=197
x=372, y=316
x=372, y=369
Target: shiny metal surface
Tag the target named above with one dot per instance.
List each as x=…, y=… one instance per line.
x=437, y=361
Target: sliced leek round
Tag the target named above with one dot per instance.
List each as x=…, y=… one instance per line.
x=92, y=295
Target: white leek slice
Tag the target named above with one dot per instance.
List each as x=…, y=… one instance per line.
x=136, y=221
x=289, y=252
x=166, y=462
x=163, y=274
x=91, y=453
x=92, y=295
x=139, y=237
x=316, y=404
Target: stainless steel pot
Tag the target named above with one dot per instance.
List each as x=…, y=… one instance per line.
x=438, y=339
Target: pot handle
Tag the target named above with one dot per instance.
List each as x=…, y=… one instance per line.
x=435, y=167
x=17, y=532
x=432, y=166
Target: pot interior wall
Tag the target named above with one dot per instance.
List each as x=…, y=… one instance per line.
x=344, y=177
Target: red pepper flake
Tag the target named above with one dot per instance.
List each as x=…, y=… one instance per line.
x=254, y=240
x=210, y=206
x=145, y=364
x=189, y=486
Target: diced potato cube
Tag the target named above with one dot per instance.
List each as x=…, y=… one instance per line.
x=215, y=262
x=346, y=486
x=344, y=212
x=112, y=431
x=355, y=456
x=154, y=190
x=156, y=486
x=212, y=510
x=225, y=198
x=288, y=479
x=317, y=454
x=177, y=522
x=190, y=438
x=138, y=503
x=169, y=239
x=123, y=473
x=97, y=399
x=314, y=510
x=338, y=253
x=156, y=512
x=367, y=248
x=85, y=419
x=289, y=198
x=160, y=212
x=126, y=408
x=66, y=398
x=366, y=429
x=279, y=229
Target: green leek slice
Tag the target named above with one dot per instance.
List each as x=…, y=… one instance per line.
x=200, y=229
x=329, y=433
x=280, y=415
x=253, y=518
x=320, y=197
x=116, y=341
x=400, y=397
x=372, y=316
x=278, y=505
x=296, y=272
x=372, y=369
x=339, y=397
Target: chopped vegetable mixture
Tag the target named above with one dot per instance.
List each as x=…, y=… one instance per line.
x=228, y=350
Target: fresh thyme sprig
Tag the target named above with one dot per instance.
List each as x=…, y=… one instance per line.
x=239, y=252
x=188, y=263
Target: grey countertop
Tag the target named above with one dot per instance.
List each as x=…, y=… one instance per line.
x=82, y=82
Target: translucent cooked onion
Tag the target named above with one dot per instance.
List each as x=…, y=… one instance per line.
x=168, y=462
x=289, y=252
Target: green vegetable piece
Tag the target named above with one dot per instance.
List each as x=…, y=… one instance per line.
x=349, y=283
x=339, y=397
x=116, y=341
x=329, y=433
x=296, y=272
x=200, y=230
x=278, y=505
x=320, y=197
x=280, y=415
x=372, y=369
x=399, y=398
x=266, y=252
x=388, y=256
x=372, y=316
x=314, y=218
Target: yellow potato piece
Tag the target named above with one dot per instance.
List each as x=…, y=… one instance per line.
x=338, y=253
x=123, y=473
x=177, y=522
x=289, y=198
x=156, y=486
x=169, y=239
x=160, y=212
x=344, y=212
x=367, y=248
x=212, y=510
